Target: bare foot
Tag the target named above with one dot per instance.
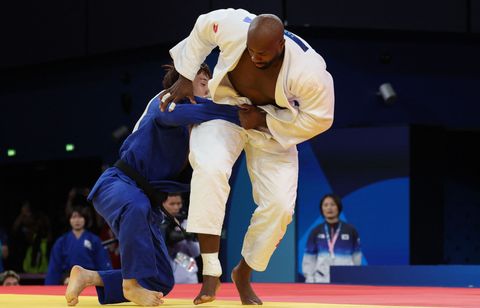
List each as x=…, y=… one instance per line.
x=80, y=278
x=209, y=289
x=241, y=277
x=139, y=295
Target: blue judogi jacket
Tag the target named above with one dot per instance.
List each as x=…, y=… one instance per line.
x=86, y=251
x=158, y=146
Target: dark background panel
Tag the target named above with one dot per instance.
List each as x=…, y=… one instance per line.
x=41, y=31
x=116, y=25
x=462, y=198
x=475, y=16
x=445, y=176
x=427, y=195
x=427, y=15
x=80, y=102
x=253, y=6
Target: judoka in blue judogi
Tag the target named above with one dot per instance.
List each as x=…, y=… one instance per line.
x=158, y=150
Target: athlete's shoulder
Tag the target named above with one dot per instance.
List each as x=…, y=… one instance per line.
x=348, y=227
x=92, y=236
x=319, y=228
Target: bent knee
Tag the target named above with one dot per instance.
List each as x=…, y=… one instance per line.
x=213, y=170
x=282, y=207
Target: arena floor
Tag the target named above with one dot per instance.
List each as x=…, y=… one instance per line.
x=272, y=294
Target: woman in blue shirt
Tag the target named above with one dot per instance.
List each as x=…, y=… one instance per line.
x=76, y=247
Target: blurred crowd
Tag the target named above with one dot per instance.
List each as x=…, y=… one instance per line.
x=27, y=244
x=39, y=249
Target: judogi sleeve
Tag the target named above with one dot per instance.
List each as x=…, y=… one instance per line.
x=55, y=265
x=315, y=97
x=205, y=36
x=310, y=258
x=185, y=114
x=101, y=257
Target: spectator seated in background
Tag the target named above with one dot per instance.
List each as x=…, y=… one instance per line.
x=76, y=247
x=9, y=278
x=333, y=242
x=31, y=238
x=21, y=234
x=182, y=247
x=78, y=195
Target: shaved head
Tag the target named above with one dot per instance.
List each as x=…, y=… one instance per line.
x=266, y=26
x=265, y=37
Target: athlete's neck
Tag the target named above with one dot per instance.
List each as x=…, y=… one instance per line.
x=332, y=220
x=78, y=233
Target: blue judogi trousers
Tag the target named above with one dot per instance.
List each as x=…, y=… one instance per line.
x=135, y=222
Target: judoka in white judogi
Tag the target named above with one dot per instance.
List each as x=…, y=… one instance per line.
x=304, y=92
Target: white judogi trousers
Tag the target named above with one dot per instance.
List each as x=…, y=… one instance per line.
x=273, y=171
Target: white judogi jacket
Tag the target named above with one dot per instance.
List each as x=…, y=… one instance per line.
x=304, y=87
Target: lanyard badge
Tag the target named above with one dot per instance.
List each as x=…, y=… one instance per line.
x=331, y=242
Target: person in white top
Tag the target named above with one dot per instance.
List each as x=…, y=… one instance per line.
x=286, y=95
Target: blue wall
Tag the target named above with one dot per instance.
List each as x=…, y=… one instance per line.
x=369, y=169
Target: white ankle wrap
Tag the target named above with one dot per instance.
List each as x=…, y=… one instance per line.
x=211, y=264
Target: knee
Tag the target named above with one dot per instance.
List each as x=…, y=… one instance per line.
x=286, y=215
x=213, y=170
x=282, y=205
x=283, y=210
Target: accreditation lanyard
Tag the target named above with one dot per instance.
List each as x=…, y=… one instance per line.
x=331, y=242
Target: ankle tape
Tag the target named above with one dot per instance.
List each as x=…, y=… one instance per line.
x=211, y=264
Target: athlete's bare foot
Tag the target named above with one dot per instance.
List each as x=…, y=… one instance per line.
x=241, y=277
x=209, y=289
x=134, y=292
x=80, y=278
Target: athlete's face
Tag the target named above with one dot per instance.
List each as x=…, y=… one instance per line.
x=329, y=208
x=173, y=204
x=77, y=221
x=263, y=53
x=200, y=85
